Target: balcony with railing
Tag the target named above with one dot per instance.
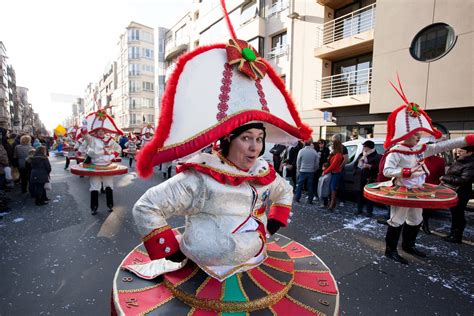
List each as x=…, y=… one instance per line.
x=347, y=89
x=347, y=35
x=276, y=8
x=174, y=48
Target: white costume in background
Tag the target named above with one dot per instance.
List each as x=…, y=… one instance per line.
x=401, y=156
x=101, y=152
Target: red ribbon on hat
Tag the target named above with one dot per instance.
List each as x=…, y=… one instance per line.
x=249, y=61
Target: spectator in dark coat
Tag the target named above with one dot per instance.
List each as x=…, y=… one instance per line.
x=277, y=151
x=460, y=177
x=21, y=154
x=367, y=170
x=40, y=170
x=291, y=163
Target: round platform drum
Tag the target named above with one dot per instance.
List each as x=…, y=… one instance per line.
x=429, y=196
x=81, y=159
x=291, y=281
x=132, y=153
x=113, y=170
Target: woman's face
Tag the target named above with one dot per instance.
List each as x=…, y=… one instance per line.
x=412, y=140
x=100, y=133
x=245, y=148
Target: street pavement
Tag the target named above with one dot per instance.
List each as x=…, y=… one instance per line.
x=59, y=260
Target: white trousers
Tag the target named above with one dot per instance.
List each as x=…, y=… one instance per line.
x=400, y=215
x=95, y=183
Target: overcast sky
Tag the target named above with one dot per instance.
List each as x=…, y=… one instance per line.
x=59, y=46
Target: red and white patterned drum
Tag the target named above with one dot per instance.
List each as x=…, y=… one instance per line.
x=291, y=281
x=428, y=196
x=98, y=171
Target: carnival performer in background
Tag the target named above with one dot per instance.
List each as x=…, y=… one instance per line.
x=101, y=150
x=232, y=199
x=131, y=148
x=405, y=165
x=69, y=145
x=146, y=135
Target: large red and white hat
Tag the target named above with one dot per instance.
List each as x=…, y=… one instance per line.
x=101, y=120
x=148, y=129
x=213, y=90
x=407, y=120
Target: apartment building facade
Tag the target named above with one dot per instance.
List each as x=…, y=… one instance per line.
x=135, y=93
x=364, y=44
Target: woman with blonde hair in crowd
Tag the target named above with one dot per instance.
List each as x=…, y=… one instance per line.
x=21, y=154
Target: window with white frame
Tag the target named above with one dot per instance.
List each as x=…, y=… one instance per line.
x=133, y=34
x=147, y=86
x=249, y=12
x=134, y=86
x=135, y=103
x=133, y=52
x=279, y=45
x=133, y=69
x=133, y=118
x=148, y=102
x=147, y=53
x=148, y=69
x=150, y=118
x=147, y=36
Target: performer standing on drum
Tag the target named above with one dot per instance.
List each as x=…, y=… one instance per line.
x=102, y=151
x=405, y=165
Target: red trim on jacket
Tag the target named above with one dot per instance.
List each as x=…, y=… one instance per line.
x=279, y=213
x=223, y=177
x=161, y=243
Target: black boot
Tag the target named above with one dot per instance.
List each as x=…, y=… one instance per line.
x=426, y=227
x=67, y=163
x=454, y=237
x=109, y=196
x=409, y=238
x=94, y=202
x=391, y=242
x=130, y=160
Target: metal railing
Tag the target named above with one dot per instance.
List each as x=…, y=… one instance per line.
x=277, y=7
x=346, y=26
x=346, y=84
x=171, y=45
x=278, y=51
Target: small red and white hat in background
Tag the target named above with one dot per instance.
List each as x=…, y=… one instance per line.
x=148, y=129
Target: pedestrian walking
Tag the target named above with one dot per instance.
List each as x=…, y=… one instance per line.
x=40, y=170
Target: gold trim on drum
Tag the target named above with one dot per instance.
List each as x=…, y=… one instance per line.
x=220, y=306
x=156, y=306
x=421, y=193
x=139, y=290
x=311, y=309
